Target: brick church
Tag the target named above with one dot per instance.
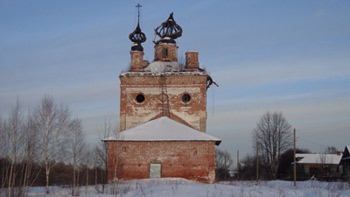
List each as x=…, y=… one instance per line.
x=162, y=114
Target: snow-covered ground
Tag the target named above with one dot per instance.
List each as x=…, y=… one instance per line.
x=183, y=187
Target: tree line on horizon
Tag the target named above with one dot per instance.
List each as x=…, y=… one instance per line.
x=46, y=146
x=273, y=138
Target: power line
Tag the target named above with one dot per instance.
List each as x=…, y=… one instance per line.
x=309, y=141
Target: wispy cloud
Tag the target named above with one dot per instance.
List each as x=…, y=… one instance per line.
x=266, y=56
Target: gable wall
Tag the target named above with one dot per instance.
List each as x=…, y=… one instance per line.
x=192, y=114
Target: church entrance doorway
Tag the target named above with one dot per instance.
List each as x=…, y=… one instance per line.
x=155, y=170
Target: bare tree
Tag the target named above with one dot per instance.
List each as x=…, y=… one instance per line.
x=30, y=136
x=88, y=163
x=96, y=162
x=76, y=146
x=21, y=140
x=331, y=150
x=4, y=152
x=104, y=131
x=274, y=135
x=15, y=126
x=223, y=163
x=51, y=123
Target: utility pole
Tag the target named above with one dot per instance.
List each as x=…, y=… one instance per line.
x=295, y=164
x=238, y=166
x=257, y=162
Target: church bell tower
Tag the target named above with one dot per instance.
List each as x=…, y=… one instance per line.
x=164, y=87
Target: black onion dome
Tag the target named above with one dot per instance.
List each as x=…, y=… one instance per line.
x=168, y=31
x=137, y=37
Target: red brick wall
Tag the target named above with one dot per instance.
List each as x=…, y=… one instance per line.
x=192, y=113
x=171, y=52
x=136, y=61
x=191, y=160
x=192, y=63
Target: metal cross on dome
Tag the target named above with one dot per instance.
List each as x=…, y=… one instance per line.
x=138, y=11
x=137, y=36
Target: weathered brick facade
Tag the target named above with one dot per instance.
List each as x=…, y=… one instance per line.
x=165, y=52
x=136, y=61
x=191, y=160
x=192, y=63
x=192, y=113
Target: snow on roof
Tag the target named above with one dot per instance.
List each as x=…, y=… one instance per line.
x=192, y=73
x=161, y=67
x=162, y=129
x=318, y=158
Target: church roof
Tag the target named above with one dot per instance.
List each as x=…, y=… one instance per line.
x=162, y=129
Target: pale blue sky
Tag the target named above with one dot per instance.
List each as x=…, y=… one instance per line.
x=284, y=56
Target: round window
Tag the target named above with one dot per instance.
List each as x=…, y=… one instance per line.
x=186, y=98
x=140, y=98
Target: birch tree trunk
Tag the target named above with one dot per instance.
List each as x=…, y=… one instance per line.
x=29, y=142
x=76, y=146
x=15, y=124
x=5, y=146
x=52, y=122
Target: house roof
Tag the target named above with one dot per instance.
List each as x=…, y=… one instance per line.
x=162, y=129
x=318, y=158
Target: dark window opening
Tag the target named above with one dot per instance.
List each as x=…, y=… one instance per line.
x=165, y=52
x=186, y=98
x=140, y=98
